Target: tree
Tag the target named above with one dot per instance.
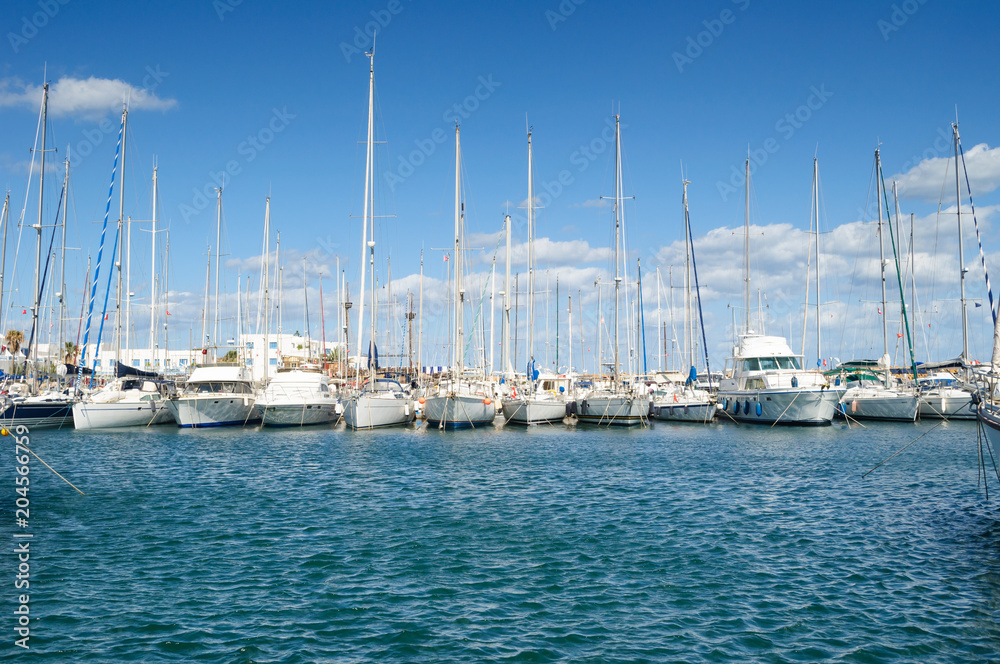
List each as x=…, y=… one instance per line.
x=230, y=356
x=70, y=351
x=14, y=340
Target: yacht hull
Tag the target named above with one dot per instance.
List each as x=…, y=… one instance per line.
x=533, y=411
x=613, y=411
x=113, y=415
x=455, y=411
x=38, y=414
x=801, y=407
x=372, y=412
x=952, y=405
x=890, y=407
x=699, y=411
x=297, y=414
x=213, y=411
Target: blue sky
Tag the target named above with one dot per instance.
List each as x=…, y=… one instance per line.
x=279, y=95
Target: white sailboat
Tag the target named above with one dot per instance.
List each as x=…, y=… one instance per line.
x=885, y=399
x=379, y=402
x=532, y=405
x=461, y=401
x=764, y=380
x=617, y=404
x=684, y=402
x=946, y=397
x=49, y=408
x=134, y=398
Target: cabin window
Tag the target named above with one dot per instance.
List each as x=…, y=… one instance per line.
x=769, y=363
x=753, y=364
x=135, y=363
x=789, y=362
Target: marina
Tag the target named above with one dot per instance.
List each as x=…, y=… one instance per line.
x=545, y=543
x=455, y=332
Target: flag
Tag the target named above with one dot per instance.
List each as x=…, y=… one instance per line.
x=899, y=335
x=880, y=311
x=979, y=304
x=105, y=316
x=169, y=314
x=24, y=311
x=446, y=258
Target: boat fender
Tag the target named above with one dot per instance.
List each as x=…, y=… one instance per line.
x=795, y=383
x=746, y=407
x=759, y=410
x=736, y=407
x=854, y=406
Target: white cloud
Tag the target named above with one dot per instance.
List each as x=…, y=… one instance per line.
x=90, y=98
x=930, y=179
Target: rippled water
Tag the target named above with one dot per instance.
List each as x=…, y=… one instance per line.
x=677, y=543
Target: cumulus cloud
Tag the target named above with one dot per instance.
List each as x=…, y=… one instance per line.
x=930, y=179
x=90, y=98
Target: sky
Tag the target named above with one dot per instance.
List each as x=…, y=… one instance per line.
x=271, y=100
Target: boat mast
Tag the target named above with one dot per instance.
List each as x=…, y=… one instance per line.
x=961, y=253
x=38, y=243
x=505, y=363
x=819, y=318
x=62, y=265
x=267, y=284
x=367, y=245
x=456, y=351
x=420, y=322
x=618, y=278
x=204, y=308
x=881, y=256
x=746, y=255
x=3, y=257
x=218, y=244
x=152, y=271
x=531, y=272
x=688, y=317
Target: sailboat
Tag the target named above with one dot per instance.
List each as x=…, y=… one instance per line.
x=52, y=408
x=886, y=398
x=764, y=380
x=533, y=405
x=684, y=402
x=461, y=401
x=617, y=404
x=379, y=402
x=134, y=397
x=943, y=396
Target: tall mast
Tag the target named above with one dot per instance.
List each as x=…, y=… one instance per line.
x=688, y=317
x=121, y=241
x=218, y=243
x=152, y=271
x=370, y=206
x=881, y=256
x=493, y=308
x=746, y=256
x=420, y=321
x=961, y=253
x=204, y=309
x=368, y=245
x=322, y=325
x=267, y=285
x=531, y=269
x=618, y=279
x=62, y=262
x=457, y=350
x=166, y=304
x=819, y=318
x=38, y=243
x=505, y=360
x=3, y=257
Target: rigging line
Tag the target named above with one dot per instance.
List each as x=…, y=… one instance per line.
x=896, y=453
x=45, y=273
x=97, y=270
x=982, y=256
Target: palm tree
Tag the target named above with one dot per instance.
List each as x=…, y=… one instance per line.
x=14, y=340
x=70, y=351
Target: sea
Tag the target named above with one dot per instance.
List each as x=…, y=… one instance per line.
x=673, y=543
